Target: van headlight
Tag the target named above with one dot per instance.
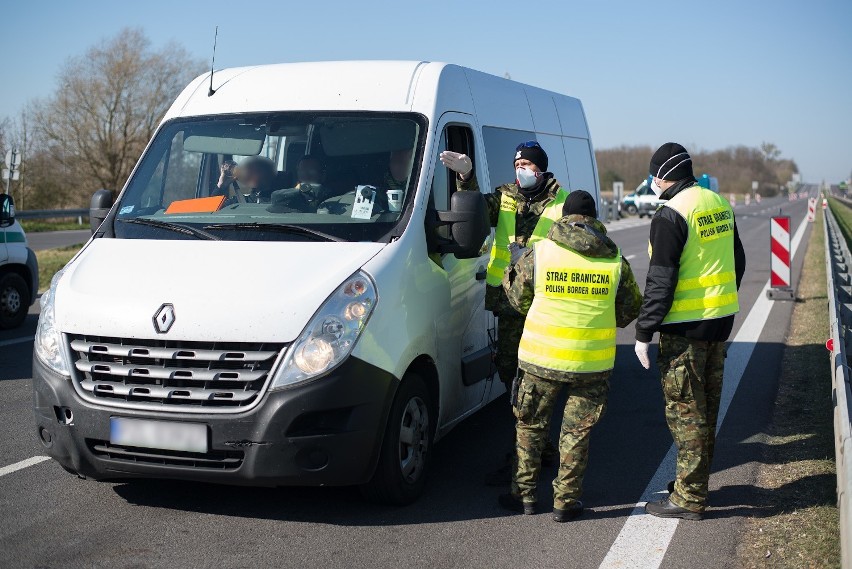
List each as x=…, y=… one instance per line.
x=331, y=334
x=48, y=340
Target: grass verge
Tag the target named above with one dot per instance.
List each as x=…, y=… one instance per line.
x=52, y=260
x=797, y=478
x=36, y=226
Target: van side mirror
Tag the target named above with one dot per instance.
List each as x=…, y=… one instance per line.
x=99, y=208
x=7, y=210
x=468, y=221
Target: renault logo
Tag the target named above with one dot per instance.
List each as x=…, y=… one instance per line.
x=164, y=318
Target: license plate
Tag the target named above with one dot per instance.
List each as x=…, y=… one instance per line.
x=164, y=435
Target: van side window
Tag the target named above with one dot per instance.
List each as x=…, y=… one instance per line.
x=500, y=145
x=456, y=138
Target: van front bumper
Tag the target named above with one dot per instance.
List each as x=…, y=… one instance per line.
x=326, y=432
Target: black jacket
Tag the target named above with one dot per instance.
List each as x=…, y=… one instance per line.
x=668, y=237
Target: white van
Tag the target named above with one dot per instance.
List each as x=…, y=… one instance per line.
x=18, y=268
x=251, y=334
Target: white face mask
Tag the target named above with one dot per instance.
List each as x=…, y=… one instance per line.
x=655, y=188
x=526, y=177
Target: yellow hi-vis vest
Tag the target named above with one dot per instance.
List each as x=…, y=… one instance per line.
x=707, y=280
x=570, y=326
x=505, y=233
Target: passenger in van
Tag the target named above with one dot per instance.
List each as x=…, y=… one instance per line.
x=572, y=284
x=523, y=210
x=390, y=192
x=254, y=173
x=309, y=191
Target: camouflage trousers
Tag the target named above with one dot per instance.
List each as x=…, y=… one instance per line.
x=586, y=403
x=692, y=387
x=510, y=326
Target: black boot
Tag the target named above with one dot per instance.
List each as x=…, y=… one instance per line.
x=514, y=504
x=665, y=509
x=567, y=514
x=670, y=486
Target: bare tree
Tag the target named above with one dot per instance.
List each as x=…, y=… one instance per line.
x=107, y=105
x=735, y=167
x=770, y=151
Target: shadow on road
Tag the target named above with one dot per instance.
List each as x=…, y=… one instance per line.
x=626, y=449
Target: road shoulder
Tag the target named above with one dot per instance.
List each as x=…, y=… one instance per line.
x=796, y=525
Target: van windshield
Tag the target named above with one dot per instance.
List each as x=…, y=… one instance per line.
x=275, y=176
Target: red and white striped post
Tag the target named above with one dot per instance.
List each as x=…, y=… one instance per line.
x=811, y=209
x=779, y=264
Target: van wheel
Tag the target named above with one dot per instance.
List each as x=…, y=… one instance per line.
x=400, y=475
x=631, y=209
x=14, y=300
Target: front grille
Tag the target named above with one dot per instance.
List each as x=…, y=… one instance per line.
x=213, y=460
x=172, y=375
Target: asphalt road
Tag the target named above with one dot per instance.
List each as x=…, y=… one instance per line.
x=51, y=239
x=49, y=518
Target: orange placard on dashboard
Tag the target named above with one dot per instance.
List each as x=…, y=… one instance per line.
x=196, y=205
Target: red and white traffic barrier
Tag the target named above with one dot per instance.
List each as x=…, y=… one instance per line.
x=811, y=209
x=780, y=262
x=732, y=198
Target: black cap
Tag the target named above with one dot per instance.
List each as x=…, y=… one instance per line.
x=671, y=162
x=580, y=202
x=533, y=152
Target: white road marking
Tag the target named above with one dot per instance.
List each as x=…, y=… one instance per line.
x=23, y=464
x=628, y=257
x=14, y=341
x=644, y=539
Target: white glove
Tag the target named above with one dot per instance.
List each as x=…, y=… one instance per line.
x=456, y=162
x=642, y=353
x=516, y=251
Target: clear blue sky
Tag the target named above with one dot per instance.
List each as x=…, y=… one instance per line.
x=707, y=74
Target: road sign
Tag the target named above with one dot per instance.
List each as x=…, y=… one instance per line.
x=16, y=175
x=13, y=158
x=754, y=186
x=779, y=263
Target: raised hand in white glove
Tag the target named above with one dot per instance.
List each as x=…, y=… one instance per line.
x=456, y=162
x=516, y=251
x=642, y=353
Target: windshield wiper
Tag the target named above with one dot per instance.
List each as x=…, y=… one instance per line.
x=176, y=227
x=281, y=227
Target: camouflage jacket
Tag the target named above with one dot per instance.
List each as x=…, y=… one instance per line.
x=528, y=214
x=571, y=232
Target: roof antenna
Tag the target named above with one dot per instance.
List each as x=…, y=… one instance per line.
x=210, y=91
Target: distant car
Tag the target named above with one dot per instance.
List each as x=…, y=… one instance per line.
x=640, y=200
x=649, y=206
x=647, y=202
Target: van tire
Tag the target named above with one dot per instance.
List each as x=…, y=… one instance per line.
x=14, y=300
x=631, y=209
x=400, y=475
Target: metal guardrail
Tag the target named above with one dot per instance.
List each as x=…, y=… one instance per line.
x=51, y=213
x=838, y=268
